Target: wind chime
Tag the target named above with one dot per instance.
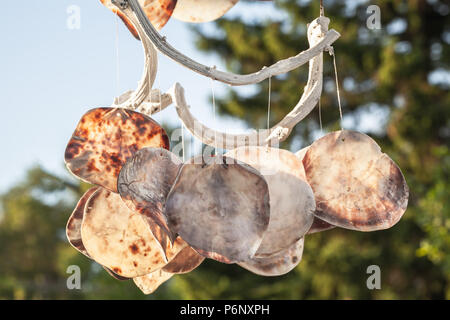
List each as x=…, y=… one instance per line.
x=151, y=215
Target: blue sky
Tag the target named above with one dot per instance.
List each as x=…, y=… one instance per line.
x=52, y=75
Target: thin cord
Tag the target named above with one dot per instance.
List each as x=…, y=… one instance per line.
x=214, y=115
x=182, y=142
x=117, y=56
x=268, y=109
x=320, y=115
x=337, y=87
x=268, y=104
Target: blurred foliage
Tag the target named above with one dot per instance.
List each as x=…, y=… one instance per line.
x=383, y=72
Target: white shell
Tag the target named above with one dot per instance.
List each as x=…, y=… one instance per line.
x=201, y=10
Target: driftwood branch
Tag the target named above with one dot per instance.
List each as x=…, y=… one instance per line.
x=278, y=68
x=311, y=94
x=139, y=98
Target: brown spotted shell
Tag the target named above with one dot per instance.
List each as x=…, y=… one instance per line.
x=145, y=181
x=187, y=260
x=219, y=208
x=202, y=10
x=150, y=282
x=356, y=185
x=278, y=264
x=120, y=239
x=73, y=228
x=103, y=141
x=157, y=11
x=292, y=201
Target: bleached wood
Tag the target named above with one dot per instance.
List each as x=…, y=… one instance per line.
x=282, y=66
x=140, y=97
x=317, y=30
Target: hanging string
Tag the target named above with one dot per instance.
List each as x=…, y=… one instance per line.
x=214, y=115
x=268, y=108
x=268, y=104
x=320, y=115
x=337, y=85
x=182, y=142
x=117, y=57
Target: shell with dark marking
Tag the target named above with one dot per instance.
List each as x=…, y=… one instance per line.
x=145, y=181
x=220, y=209
x=73, y=229
x=185, y=261
x=120, y=239
x=356, y=185
x=105, y=139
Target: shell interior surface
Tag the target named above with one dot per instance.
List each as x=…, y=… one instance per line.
x=121, y=239
x=221, y=210
x=278, y=264
x=185, y=261
x=145, y=181
x=292, y=201
x=150, y=282
x=319, y=225
x=105, y=139
x=202, y=10
x=73, y=229
x=356, y=185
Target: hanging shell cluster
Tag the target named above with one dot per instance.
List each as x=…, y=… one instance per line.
x=150, y=216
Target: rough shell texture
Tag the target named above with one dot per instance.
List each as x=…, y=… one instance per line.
x=145, y=181
x=157, y=11
x=105, y=138
x=221, y=209
x=120, y=239
x=279, y=264
x=292, y=201
x=202, y=10
x=356, y=185
x=185, y=261
x=150, y=282
x=319, y=226
x=73, y=229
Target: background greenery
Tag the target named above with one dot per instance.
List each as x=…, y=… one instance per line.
x=389, y=76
